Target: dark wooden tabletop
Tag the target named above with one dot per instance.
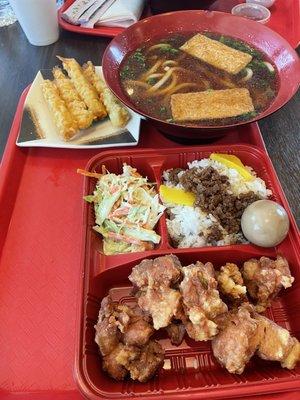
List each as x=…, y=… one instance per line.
x=20, y=61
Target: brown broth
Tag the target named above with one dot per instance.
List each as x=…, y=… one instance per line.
x=263, y=86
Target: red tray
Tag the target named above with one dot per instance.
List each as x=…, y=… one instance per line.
x=103, y=274
x=40, y=266
x=97, y=31
x=284, y=20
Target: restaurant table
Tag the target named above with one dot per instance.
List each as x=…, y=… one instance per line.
x=19, y=63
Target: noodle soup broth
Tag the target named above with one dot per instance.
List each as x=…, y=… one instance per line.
x=155, y=72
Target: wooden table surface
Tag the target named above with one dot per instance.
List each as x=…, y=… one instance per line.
x=20, y=61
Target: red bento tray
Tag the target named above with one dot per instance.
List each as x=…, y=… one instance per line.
x=284, y=20
x=40, y=265
x=190, y=369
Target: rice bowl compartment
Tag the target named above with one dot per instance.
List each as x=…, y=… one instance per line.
x=189, y=369
x=188, y=215
x=152, y=163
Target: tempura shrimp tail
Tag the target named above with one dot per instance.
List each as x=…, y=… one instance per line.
x=86, y=91
x=117, y=113
x=76, y=106
x=63, y=119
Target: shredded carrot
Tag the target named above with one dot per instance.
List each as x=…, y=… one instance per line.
x=148, y=245
x=90, y=174
x=146, y=226
x=122, y=238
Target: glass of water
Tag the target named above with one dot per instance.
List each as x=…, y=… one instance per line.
x=7, y=16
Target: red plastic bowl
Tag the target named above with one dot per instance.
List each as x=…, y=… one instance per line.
x=257, y=35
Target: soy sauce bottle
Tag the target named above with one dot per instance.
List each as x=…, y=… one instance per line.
x=162, y=6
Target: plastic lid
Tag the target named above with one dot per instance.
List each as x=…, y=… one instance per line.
x=255, y=12
x=265, y=3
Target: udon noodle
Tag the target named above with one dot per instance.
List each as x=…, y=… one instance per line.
x=192, y=63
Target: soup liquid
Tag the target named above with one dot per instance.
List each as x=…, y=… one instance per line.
x=148, y=82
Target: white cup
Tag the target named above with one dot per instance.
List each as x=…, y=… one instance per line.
x=38, y=19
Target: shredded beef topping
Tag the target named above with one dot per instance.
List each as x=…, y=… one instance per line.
x=173, y=175
x=215, y=234
x=212, y=196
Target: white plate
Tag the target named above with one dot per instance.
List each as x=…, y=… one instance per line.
x=37, y=128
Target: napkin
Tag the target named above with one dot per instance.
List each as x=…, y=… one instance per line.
x=122, y=13
x=117, y=13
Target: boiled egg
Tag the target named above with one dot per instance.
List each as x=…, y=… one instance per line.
x=265, y=223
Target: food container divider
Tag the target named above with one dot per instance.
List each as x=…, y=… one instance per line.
x=189, y=369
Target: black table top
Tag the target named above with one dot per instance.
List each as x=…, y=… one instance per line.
x=20, y=61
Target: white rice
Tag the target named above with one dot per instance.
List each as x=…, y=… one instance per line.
x=189, y=226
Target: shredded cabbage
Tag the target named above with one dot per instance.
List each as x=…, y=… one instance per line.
x=127, y=208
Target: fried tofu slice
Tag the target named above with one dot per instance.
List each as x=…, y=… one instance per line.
x=216, y=54
x=213, y=104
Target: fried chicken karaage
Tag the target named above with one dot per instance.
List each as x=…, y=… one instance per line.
x=238, y=339
x=142, y=363
x=264, y=278
x=244, y=332
x=201, y=301
x=123, y=334
x=155, y=280
x=187, y=299
x=277, y=344
x=231, y=284
x=176, y=331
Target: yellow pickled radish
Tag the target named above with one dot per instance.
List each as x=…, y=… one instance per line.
x=234, y=162
x=176, y=196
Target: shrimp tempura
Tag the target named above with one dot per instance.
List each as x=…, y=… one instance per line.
x=116, y=112
x=76, y=106
x=86, y=91
x=64, y=121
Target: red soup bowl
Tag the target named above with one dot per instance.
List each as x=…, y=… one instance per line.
x=255, y=34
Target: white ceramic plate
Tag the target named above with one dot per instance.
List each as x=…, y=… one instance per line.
x=37, y=127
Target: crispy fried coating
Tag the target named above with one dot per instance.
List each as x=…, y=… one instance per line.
x=112, y=366
x=121, y=323
x=238, y=339
x=122, y=334
x=277, y=344
x=155, y=280
x=89, y=72
x=176, y=331
x=117, y=113
x=201, y=301
x=85, y=90
x=231, y=284
x=138, y=330
x=68, y=93
x=264, y=278
x=66, y=125
x=161, y=303
x=243, y=332
x=107, y=332
x=142, y=363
